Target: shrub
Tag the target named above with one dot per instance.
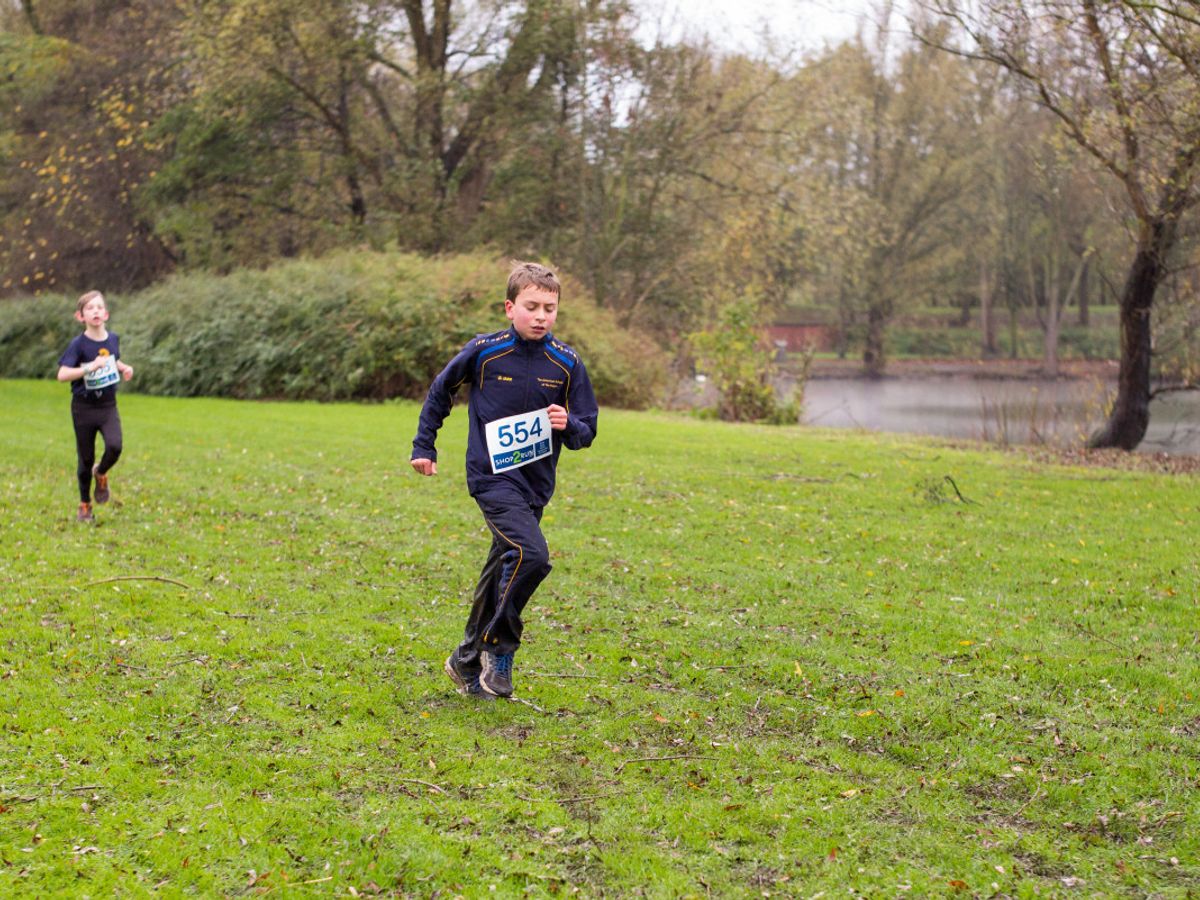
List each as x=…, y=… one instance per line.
x=351, y=325
x=932, y=342
x=741, y=362
x=33, y=334
x=1089, y=343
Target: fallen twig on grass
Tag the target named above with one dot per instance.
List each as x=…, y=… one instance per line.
x=559, y=675
x=287, y=884
x=161, y=578
x=203, y=658
x=428, y=784
x=659, y=759
x=583, y=799
x=1037, y=793
x=1100, y=637
x=527, y=703
x=744, y=666
x=1164, y=819
x=958, y=492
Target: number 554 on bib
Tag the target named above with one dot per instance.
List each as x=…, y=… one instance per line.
x=518, y=440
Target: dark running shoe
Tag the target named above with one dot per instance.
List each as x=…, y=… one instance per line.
x=85, y=513
x=101, y=495
x=496, y=678
x=466, y=682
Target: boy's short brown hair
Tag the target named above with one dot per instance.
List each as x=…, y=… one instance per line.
x=88, y=298
x=524, y=274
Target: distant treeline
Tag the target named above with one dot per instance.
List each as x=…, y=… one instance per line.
x=141, y=139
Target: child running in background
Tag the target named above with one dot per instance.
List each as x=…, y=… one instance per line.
x=528, y=396
x=92, y=363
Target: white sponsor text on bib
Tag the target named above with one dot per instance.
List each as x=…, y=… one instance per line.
x=518, y=440
x=103, y=375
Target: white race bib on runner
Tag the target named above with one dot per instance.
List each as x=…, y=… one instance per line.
x=516, y=441
x=103, y=375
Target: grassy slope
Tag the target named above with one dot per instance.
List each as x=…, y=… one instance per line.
x=768, y=660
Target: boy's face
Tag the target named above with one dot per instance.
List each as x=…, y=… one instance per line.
x=94, y=313
x=533, y=312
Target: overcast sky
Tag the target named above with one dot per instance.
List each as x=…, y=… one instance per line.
x=741, y=24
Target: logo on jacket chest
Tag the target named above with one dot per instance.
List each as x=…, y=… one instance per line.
x=554, y=383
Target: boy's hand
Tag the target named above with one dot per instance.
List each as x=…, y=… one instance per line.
x=424, y=466
x=557, y=416
x=126, y=371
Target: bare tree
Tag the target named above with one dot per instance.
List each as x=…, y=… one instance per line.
x=1123, y=79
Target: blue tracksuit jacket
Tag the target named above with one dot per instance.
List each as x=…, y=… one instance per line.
x=508, y=375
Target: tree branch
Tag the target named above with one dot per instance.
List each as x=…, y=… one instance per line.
x=31, y=16
x=1174, y=12
x=139, y=578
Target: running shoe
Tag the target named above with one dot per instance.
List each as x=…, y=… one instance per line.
x=102, y=494
x=496, y=678
x=466, y=682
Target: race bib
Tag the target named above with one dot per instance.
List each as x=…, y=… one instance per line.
x=516, y=441
x=103, y=375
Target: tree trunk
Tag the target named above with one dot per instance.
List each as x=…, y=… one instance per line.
x=1050, y=347
x=430, y=49
x=874, y=359
x=1130, y=416
x=1083, y=299
x=1053, y=319
x=1014, y=332
x=845, y=323
x=470, y=191
x=964, y=310
x=358, y=200
x=987, y=320
x=31, y=16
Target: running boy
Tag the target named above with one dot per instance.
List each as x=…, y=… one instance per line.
x=528, y=397
x=92, y=363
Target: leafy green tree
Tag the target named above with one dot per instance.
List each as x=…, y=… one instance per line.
x=669, y=199
x=384, y=119
x=889, y=161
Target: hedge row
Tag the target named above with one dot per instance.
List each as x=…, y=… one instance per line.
x=956, y=343
x=356, y=324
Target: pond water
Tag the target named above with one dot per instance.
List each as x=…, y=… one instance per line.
x=997, y=410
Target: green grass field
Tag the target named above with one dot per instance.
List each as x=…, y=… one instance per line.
x=770, y=661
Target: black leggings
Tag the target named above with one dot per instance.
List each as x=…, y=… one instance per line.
x=88, y=421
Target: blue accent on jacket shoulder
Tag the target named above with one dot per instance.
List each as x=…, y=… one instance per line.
x=561, y=357
x=495, y=349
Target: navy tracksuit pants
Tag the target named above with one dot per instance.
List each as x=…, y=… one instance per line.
x=517, y=563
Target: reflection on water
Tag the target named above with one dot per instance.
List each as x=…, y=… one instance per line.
x=1001, y=411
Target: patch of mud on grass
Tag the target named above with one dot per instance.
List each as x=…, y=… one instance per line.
x=1122, y=460
x=1158, y=463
